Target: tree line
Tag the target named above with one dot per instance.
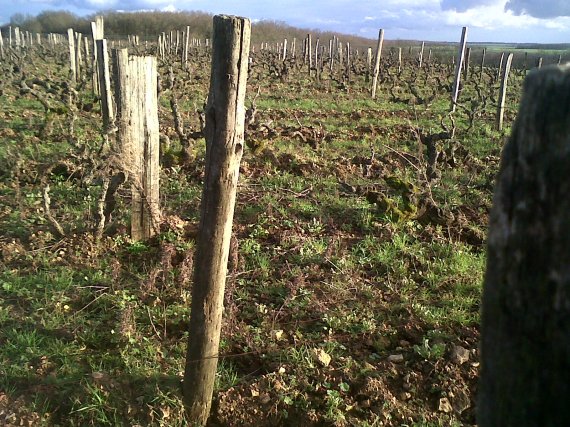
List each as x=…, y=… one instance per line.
x=149, y=24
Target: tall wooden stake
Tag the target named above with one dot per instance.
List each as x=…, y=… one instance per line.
x=71, y=41
x=104, y=83
x=525, y=344
x=503, y=92
x=377, y=62
x=224, y=132
x=458, y=67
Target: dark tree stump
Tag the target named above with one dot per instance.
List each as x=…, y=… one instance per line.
x=525, y=369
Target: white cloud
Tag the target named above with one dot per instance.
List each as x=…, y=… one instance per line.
x=169, y=8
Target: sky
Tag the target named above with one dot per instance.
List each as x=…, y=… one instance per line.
x=540, y=21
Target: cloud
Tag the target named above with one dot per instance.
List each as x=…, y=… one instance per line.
x=539, y=8
x=464, y=5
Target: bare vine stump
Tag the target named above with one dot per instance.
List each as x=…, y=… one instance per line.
x=525, y=344
x=224, y=133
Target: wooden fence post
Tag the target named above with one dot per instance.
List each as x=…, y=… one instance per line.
x=503, y=92
x=1, y=45
x=458, y=66
x=137, y=105
x=224, y=132
x=377, y=62
x=421, y=57
x=525, y=345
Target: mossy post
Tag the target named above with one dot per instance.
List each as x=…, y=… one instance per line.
x=224, y=134
x=377, y=62
x=503, y=92
x=525, y=344
x=458, y=67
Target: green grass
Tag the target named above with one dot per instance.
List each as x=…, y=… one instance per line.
x=95, y=332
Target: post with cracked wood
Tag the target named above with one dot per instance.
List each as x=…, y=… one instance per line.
x=224, y=133
x=137, y=112
x=525, y=345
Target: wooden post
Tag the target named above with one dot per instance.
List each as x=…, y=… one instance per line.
x=71, y=41
x=421, y=57
x=137, y=106
x=1, y=45
x=460, y=56
x=78, y=56
x=539, y=63
x=105, y=84
x=500, y=70
x=284, y=50
x=186, y=45
x=293, y=47
x=224, y=132
x=482, y=63
x=330, y=53
x=399, y=60
x=377, y=62
x=310, y=58
x=467, y=59
x=525, y=345
x=503, y=92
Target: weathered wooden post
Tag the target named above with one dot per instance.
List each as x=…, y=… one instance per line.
x=460, y=57
x=421, y=57
x=137, y=108
x=539, y=63
x=503, y=92
x=1, y=45
x=104, y=84
x=500, y=70
x=97, y=33
x=309, y=53
x=224, y=132
x=525, y=345
x=377, y=62
x=78, y=56
x=467, y=59
x=186, y=45
x=399, y=60
x=482, y=63
x=72, y=67
x=368, y=64
x=284, y=50
x=293, y=48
